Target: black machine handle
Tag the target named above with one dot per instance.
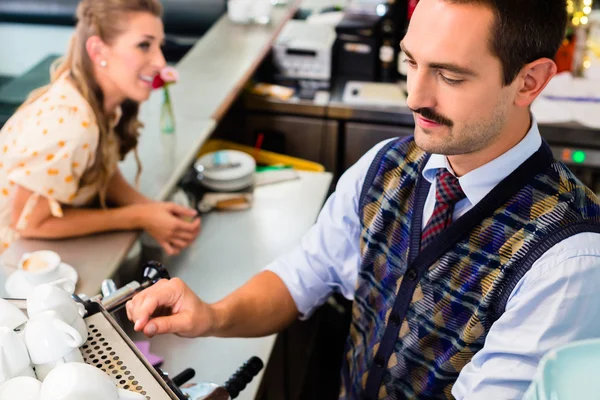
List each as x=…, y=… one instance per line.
x=243, y=376
x=154, y=272
x=184, y=376
x=171, y=384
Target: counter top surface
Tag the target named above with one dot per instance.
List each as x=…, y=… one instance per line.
x=231, y=249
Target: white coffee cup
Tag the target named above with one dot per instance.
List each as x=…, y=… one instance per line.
x=55, y=296
x=40, y=267
x=77, y=381
x=42, y=370
x=239, y=11
x=49, y=338
x=10, y=315
x=261, y=11
x=14, y=358
x=21, y=388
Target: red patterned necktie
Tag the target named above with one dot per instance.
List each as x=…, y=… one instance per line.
x=447, y=193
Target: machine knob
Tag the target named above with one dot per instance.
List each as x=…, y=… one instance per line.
x=155, y=271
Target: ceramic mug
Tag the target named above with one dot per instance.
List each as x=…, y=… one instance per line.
x=14, y=358
x=42, y=370
x=22, y=388
x=40, y=267
x=10, y=315
x=55, y=297
x=49, y=338
x=77, y=381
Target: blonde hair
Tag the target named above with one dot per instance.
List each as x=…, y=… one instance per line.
x=105, y=19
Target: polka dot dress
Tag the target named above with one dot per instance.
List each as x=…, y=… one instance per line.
x=47, y=147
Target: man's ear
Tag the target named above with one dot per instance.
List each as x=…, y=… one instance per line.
x=97, y=50
x=534, y=77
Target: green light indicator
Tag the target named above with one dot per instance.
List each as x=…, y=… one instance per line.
x=579, y=157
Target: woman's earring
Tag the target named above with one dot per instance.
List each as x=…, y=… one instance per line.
x=103, y=63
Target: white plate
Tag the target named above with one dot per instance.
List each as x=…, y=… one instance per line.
x=228, y=186
x=18, y=288
x=242, y=165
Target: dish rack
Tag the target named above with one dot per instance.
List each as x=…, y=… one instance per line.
x=110, y=349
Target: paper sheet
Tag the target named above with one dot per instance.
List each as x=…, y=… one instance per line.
x=567, y=99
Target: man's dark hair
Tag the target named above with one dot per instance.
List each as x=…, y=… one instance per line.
x=524, y=31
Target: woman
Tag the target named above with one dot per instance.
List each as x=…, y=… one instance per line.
x=59, y=152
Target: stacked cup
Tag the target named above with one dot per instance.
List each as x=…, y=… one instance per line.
x=56, y=328
x=50, y=343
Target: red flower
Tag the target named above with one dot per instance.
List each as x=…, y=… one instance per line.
x=157, y=82
x=167, y=76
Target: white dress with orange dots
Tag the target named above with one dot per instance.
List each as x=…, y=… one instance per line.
x=46, y=147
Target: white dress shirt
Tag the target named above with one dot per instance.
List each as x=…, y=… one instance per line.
x=557, y=301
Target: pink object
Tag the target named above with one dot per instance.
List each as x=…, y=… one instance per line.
x=153, y=359
x=167, y=76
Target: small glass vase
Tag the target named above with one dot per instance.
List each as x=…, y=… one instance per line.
x=167, y=118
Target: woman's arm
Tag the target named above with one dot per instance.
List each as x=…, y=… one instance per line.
x=75, y=221
x=121, y=193
x=163, y=221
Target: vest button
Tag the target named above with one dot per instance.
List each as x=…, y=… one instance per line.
x=379, y=362
x=411, y=274
x=395, y=319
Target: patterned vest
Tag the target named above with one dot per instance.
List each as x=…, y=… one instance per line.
x=419, y=317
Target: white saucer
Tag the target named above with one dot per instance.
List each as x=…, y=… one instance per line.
x=18, y=288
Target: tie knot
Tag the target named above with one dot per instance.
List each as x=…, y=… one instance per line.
x=448, y=190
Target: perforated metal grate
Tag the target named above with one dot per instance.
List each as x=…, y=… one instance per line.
x=107, y=350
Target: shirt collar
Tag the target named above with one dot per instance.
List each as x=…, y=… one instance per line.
x=479, y=182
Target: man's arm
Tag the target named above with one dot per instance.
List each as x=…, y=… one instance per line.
x=297, y=283
x=327, y=259
x=555, y=303
x=261, y=307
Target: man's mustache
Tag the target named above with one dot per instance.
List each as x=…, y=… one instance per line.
x=429, y=114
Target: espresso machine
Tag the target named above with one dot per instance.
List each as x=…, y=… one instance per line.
x=110, y=349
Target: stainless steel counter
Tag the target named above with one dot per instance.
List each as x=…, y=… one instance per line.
x=226, y=58
x=234, y=247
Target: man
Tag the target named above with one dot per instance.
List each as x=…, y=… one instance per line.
x=469, y=252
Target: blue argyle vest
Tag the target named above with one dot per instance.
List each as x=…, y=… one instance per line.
x=420, y=316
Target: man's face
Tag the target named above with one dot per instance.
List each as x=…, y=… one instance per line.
x=455, y=83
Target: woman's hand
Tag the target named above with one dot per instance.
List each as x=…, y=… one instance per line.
x=173, y=226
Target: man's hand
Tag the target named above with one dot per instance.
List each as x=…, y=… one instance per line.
x=169, y=306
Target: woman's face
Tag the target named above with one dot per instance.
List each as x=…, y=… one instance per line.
x=134, y=58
